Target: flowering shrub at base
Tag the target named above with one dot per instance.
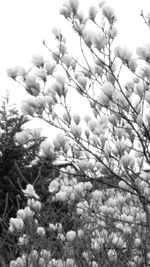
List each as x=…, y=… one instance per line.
x=110, y=227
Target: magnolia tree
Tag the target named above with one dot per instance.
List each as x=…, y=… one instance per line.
x=105, y=189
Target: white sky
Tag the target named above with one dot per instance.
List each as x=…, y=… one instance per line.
x=25, y=23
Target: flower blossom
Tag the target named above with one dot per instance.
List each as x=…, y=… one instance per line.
x=29, y=191
x=53, y=187
x=16, y=224
x=70, y=235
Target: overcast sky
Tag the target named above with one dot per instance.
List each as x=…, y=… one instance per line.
x=25, y=23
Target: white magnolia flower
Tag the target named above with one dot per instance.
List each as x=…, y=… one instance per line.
x=66, y=117
x=34, y=204
x=32, y=86
x=23, y=240
x=97, y=195
x=65, y=11
x=68, y=190
x=38, y=60
x=12, y=72
x=139, y=89
x=41, y=74
x=76, y=118
x=91, y=162
x=103, y=99
x=16, y=224
x=76, y=131
x=82, y=80
x=120, y=226
x=79, y=211
x=50, y=67
x=34, y=255
x=26, y=108
x=60, y=263
x=53, y=187
x=61, y=236
x=80, y=233
x=112, y=255
x=22, y=137
x=47, y=149
x=70, y=235
x=41, y=102
x=28, y=213
x=118, y=242
x=60, y=138
x=87, y=37
x=144, y=52
x=68, y=61
x=94, y=264
x=46, y=254
x=123, y=185
x=108, y=89
x=52, y=262
x=104, y=209
x=70, y=263
x=18, y=262
x=88, y=186
x=123, y=53
x=112, y=33
x=137, y=242
x=87, y=118
x=108, y=12
x=79, y=188
x=41, y=231
x=41, y=262
x=61, y=196
x=93, y=12
x=35, y=133
x=95, y=243
x=73, y=5
x=128, y=161
x=99, y=41
x=132, y=64
x=21, y=214
x=124, y=217
x=52, y=227
x=29, y=191
x=60, y=78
